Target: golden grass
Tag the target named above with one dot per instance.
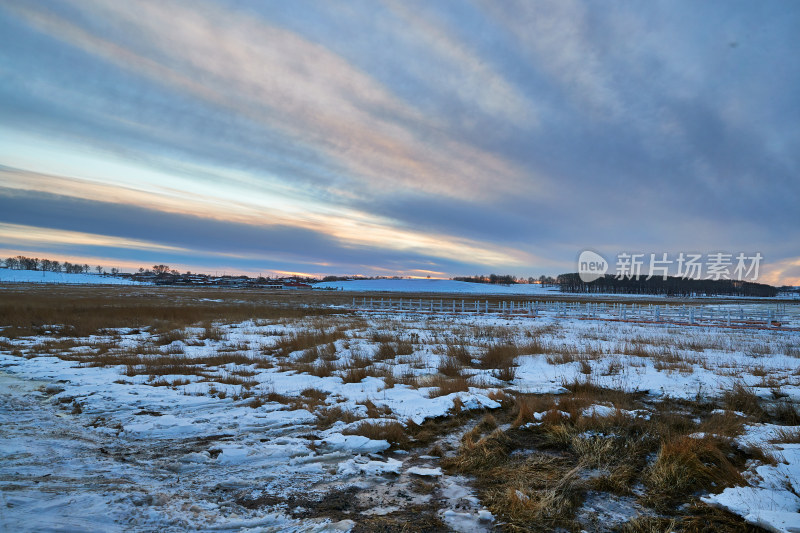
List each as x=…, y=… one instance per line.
x=481, y=454
x=742, y=398
x=687, y=464
x=307, y=338
x=85, y=311
x=392, y=432
x=450, y=367
x=326, y=417
x=444, y=385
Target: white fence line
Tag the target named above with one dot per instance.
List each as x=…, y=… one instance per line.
x=733, y=315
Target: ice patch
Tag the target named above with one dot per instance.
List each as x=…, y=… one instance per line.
x=421, y=471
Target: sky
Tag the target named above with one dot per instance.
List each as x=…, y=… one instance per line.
x=431, y=138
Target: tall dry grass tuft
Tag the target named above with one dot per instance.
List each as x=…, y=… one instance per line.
x=687, y=464
x=481, y=454
x=741, y=398
x=460, y=352
x=443, y=385
x=450, y=367
x=393, y=432
x=307, y=338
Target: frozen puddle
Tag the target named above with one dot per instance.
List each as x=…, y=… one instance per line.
x=464, y=511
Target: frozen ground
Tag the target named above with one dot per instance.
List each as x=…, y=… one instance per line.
x=8, y=275
x=263, y=436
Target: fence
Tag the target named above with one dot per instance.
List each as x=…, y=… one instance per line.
x=730, y=315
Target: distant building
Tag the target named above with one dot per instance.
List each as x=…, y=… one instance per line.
x=296, y=285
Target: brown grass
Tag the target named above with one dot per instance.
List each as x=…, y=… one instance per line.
x=393, y=432
x=305, y=339
x=481, y=454
x=742, y=398
x=85, y=311
x=386, y=350
x=450, y=367
x=460, y=352
x=499, y=356
x=354, y=375
x=787, y=436
x=327, y=417
x=686, y=464
x=444, y=385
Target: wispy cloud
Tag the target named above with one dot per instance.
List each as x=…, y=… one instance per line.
x=264, y=72
x=22, y=235
x=465, y=74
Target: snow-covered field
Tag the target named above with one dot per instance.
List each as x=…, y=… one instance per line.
x=448, y=286
x=362, y=421
x=8, y=275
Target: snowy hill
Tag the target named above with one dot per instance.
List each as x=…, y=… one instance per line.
x=433, y=286
x=39, y=276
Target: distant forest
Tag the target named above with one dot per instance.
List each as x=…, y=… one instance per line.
x=672, y=286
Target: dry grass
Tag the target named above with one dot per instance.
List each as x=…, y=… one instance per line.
x=392, y=432
x=479, y=454
x=385, y=350
x=444, y=385
x=85, y=311
x=322, y=369
x=725, y=424
x=787, y=436
x=460, y=352
x=742, y=398
x=354, y=375
x=650, y=524
x=526, y=406
x=329, y=416
x=541, y=491
x=450, y=367
x=499, y=356
x=501, y=359
x=685, y=465
x=305, y=339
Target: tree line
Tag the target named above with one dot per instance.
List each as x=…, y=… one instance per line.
x=34, y=263
x=672, y=286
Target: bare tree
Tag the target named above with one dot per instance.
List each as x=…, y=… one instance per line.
x=160, y=269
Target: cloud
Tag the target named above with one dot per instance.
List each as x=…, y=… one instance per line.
x=554, y=34
x=91, y=222
x=274, y=76
x=463, y=72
